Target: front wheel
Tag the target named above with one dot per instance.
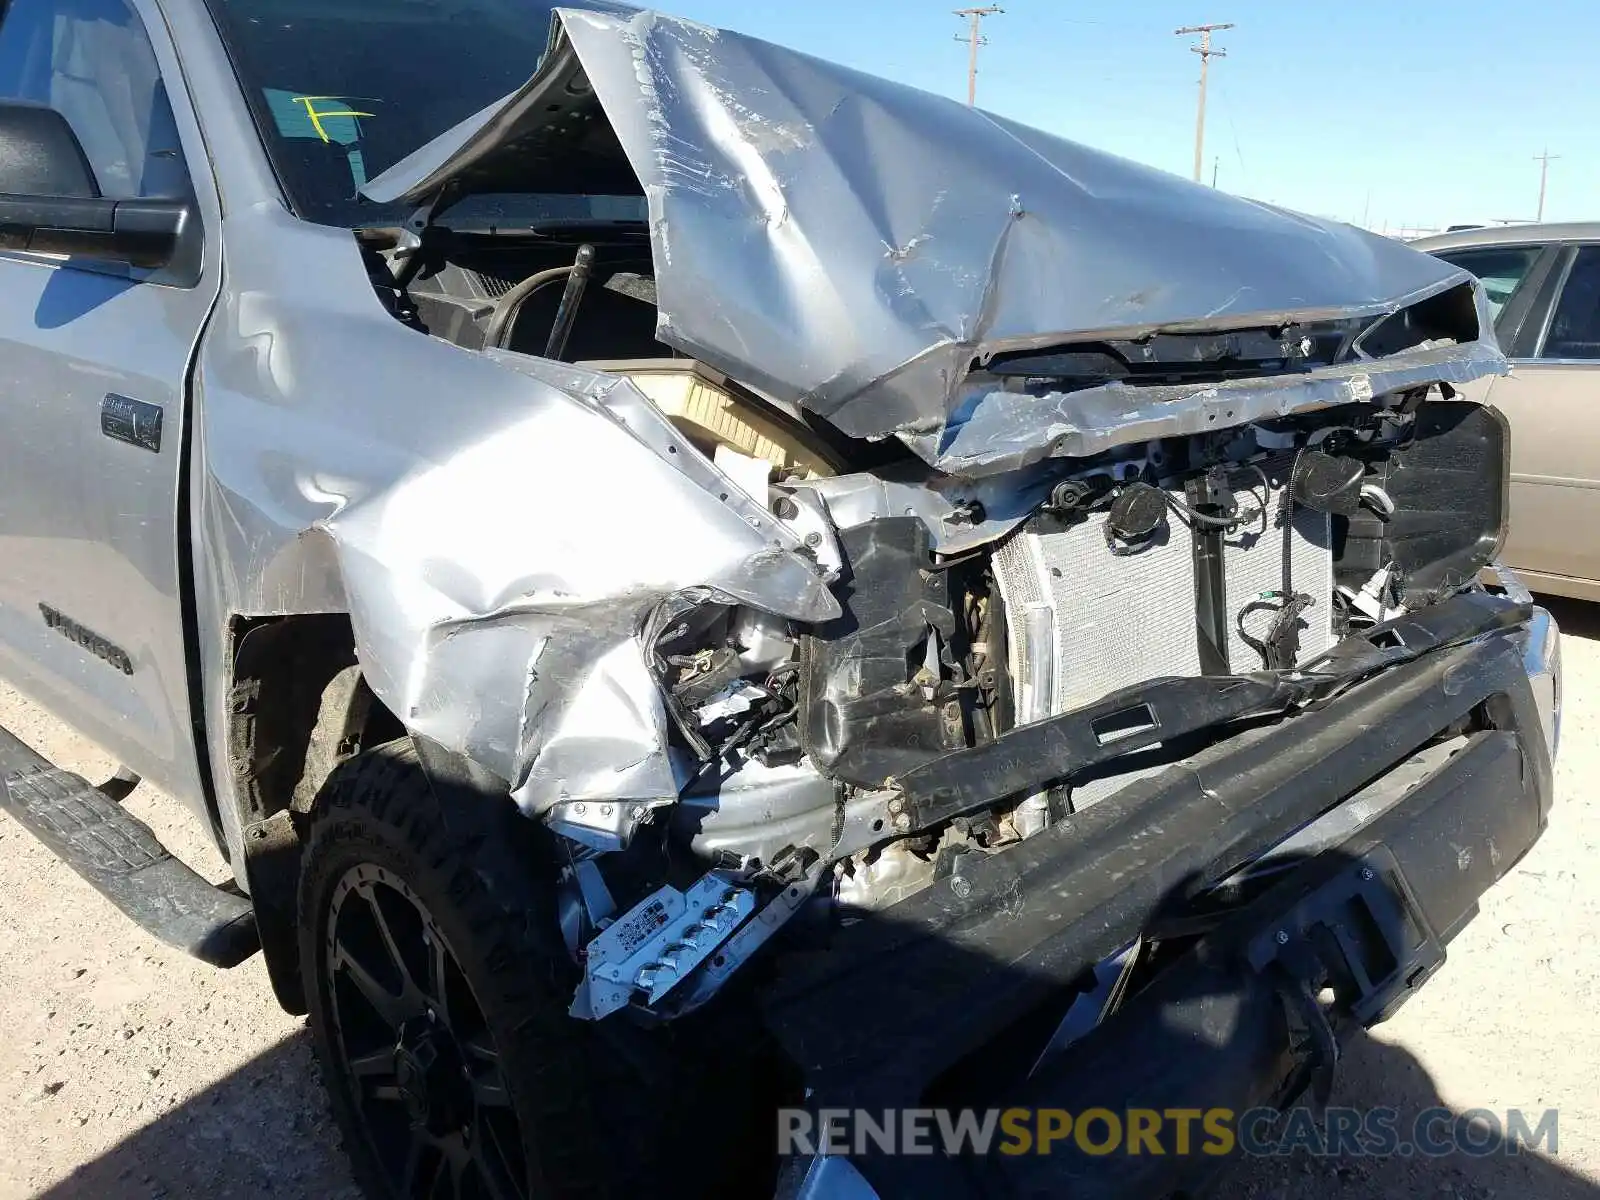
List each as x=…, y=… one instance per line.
x=436, y=1008
x=438, y=986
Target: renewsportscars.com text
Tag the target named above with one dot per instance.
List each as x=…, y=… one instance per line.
x=1217, y=1132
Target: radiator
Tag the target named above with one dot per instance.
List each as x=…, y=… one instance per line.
x=1084, y=622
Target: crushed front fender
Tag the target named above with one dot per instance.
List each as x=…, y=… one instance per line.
x=497, y=529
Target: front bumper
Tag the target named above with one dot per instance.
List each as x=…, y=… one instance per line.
x=1397, y=838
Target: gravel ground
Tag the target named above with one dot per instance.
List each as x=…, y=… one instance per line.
x=131, y=1071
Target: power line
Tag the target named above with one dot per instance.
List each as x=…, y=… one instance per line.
x=1226, y=98
x=1544, y=160
x=1206, y=52
x=974, y=39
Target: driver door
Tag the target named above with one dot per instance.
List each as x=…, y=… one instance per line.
x=94, y=356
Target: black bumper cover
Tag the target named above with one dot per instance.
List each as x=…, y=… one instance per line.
x=1234, y=1025
x=895, y=1001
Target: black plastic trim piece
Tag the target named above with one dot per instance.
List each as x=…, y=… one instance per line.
x=40, y=155
x=1520, y=323
x=1045, y=753
x=272, y=867
x=141, y=233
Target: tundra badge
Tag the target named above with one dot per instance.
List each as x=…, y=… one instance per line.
x=87, y=638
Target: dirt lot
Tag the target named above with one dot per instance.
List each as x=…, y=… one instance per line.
x=128, y=1070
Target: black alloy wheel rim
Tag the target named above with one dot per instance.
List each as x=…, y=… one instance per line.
x=422, y=1071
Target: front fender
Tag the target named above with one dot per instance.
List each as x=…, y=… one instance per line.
x=497, y=527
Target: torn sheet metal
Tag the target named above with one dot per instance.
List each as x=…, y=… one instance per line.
x=523, y=651
x=1010, y=428
x=959, y=514
x=498, y=528
x=855, y=246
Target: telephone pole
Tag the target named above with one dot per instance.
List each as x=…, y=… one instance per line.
x=1544, y=161
x=1206, y=53
x=974, y=39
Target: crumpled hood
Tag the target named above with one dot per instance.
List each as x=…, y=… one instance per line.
x=853, y=245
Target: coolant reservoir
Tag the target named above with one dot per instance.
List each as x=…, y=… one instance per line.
x=698, y=402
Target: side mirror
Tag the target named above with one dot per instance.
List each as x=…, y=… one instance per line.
x=51, y=203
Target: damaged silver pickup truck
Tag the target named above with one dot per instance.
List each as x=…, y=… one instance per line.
x=687, y=580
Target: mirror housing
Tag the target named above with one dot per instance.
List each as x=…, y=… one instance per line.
x=50, y=202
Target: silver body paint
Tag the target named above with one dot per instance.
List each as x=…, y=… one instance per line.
x=855, y=246
x=498, y=526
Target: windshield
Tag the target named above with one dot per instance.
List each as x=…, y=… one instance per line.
x=343, y=90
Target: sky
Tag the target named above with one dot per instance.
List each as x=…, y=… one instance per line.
x=1404, y=117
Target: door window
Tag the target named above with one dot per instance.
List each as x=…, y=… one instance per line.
x=1575, y=324
x=92, y=62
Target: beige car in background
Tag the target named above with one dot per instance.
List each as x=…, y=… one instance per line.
x=1543, y=283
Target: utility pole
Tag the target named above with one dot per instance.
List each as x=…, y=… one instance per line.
x=1206, y=53
x=974, y=39
x=1544, y=161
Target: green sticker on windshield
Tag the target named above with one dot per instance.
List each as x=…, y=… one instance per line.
x=335, y=120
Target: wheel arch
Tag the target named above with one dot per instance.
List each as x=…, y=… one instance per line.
x=297, y=706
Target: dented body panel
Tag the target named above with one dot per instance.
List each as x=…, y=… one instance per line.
x=851, y=245
x=496, y=529
x=857, y=246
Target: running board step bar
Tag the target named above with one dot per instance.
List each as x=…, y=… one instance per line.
x=121, y=858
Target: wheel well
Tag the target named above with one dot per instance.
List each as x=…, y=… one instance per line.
x=297, y=707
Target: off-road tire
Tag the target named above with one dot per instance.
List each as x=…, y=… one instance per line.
x=604, y=1109
x=379, y=810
